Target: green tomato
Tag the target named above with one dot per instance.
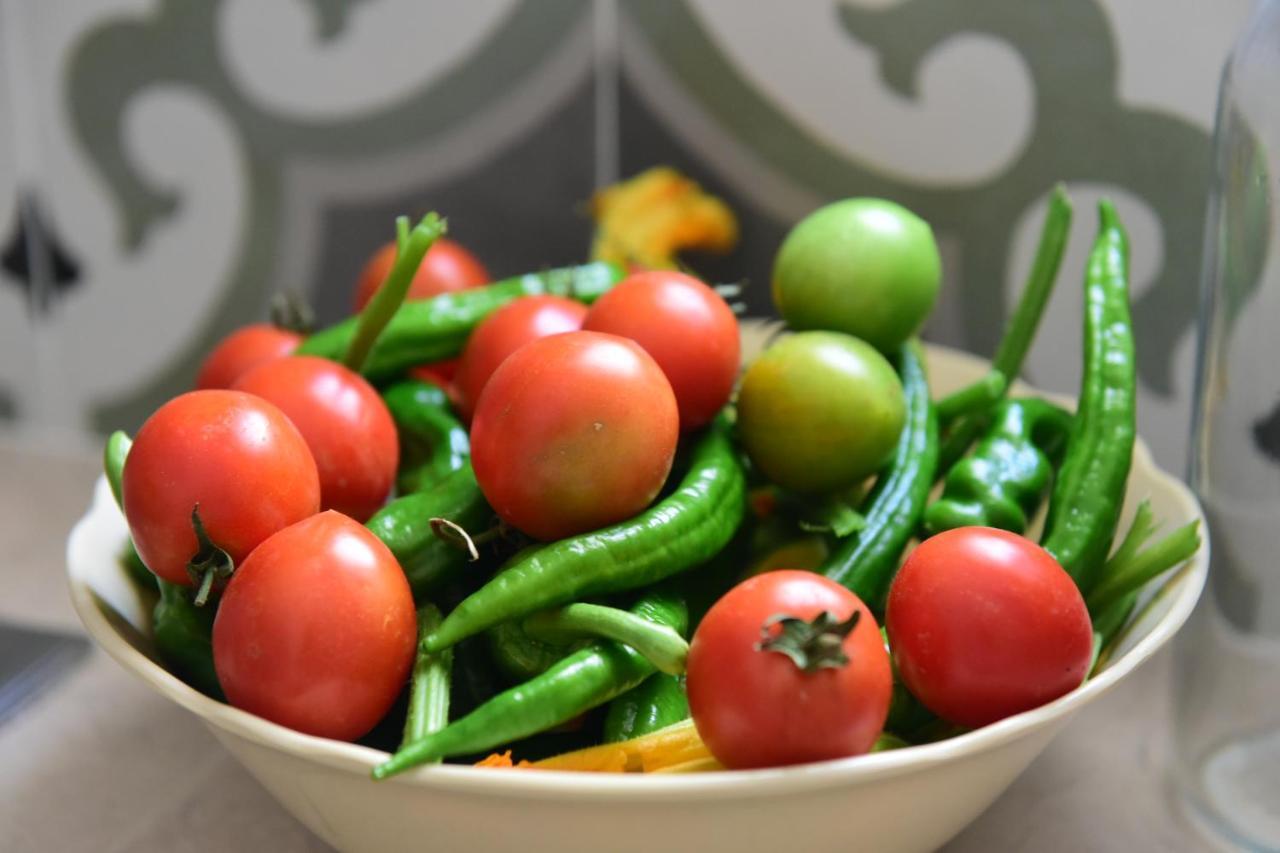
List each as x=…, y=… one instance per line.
x=820, y=411
x=863, y=266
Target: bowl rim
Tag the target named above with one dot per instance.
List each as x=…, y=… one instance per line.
x=557, y=784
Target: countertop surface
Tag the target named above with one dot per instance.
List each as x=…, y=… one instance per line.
x=99, y=762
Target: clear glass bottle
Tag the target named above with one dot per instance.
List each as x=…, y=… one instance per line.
x=1226, y=720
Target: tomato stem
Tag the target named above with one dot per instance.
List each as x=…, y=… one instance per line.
x=811, y=646
x=209, y=563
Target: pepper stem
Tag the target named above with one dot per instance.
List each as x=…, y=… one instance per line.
x=209, y=563
x=659, y=644
x=810, y=645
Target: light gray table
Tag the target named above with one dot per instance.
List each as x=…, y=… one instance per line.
x=101, y=763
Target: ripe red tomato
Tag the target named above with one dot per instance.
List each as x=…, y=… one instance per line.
x=236, y=456
x=345, y=423
x=242, y=350
x=686, y=327
x=316, y=630
x=756, y=707
x=984, y=623
x=573, y=432
x=447, y=267
x=505, y=331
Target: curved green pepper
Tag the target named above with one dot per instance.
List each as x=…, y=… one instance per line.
x=435, y=329
x=433, y=442
x=681, y=531
x=183, y=635
x=867, y=559
x=659, y=701
x=404, y=526
x=1001, y=482
x=1084, y=509
x=579, y=682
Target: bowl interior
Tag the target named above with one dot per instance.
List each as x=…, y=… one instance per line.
x=118, y=617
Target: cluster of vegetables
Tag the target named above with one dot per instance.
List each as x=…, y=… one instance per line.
x=489, y=515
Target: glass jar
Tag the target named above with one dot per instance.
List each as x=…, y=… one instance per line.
x=1227, y=683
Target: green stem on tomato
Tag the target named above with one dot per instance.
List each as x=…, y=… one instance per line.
x=429, y=693
x=972, y=399
x=660, y=645
x=387, y=299
x=1020, y=330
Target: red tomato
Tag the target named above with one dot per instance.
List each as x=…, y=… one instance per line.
x=573, y=432
x=758, y=708
x=316, y=630
x=505, y=331
x=242, y=350
x=446, y=267
x=984, y=623
x=345, y=423
x=235, y=455
x=439, y=373
x=686, y=327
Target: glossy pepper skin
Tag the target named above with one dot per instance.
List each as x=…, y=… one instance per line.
x=582, y=680
x=659, y=701
x=436, y=329
x=681, y=531
x=404, y=526
x=1085, y=505
x=867, y=559
x=433, y=443
x=1001, y=482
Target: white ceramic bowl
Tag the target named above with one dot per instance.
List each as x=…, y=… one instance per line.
x=905, y=800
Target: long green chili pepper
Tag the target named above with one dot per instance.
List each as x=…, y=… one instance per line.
x=659, y=701
x=113, y=456
x=436, y=329
x=183, y=634
x=581, y=681
x=975, y=399
x=681, y=531
x=660, y=645
x=867, y=560
x=1085, y=505
x=388, y=298
x=429, y=689
x=432, y=441
x=1001, y=483
x=404, y=526
x=1020, y=330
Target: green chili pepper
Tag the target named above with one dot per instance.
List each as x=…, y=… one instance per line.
x=183, y=635
x=435, y=329
x=867, y=559
x=432, y=441
x=579, y=682
x=679, y=532
x=113, y=457
x=1021, y=328
x=404, y=526
x=659, y=701
x=1000, y=484
x=429, y=689
x=975, y=399
x=389, y=296
x=1085, y=505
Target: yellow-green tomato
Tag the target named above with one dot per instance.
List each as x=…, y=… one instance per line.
x=863, y=266
x=820, y=411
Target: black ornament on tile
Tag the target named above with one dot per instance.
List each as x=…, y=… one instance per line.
x=31, y=234
x=1266, y=434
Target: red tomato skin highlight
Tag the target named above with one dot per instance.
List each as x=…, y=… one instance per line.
x=573, y=432
x=243, y=350
x=503, y=332
x=316, y=629
x=447, y=267
x=756, y=708
x=688, y=329
x=236, y=455
x=985, y=624
x=345, y=423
